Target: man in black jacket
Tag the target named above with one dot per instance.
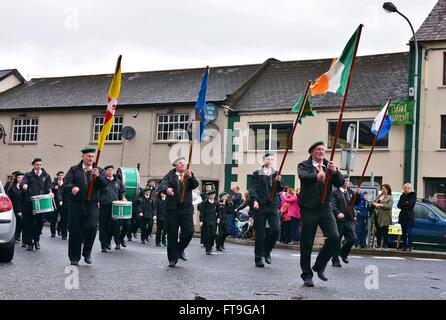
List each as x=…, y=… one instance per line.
x=264, y=210
x=58, y=191
x=178, y=214
x=114, y=190
x=345, y=220
x=83, y=213
x=315, y=213
x=35, y=182
x=209, y=218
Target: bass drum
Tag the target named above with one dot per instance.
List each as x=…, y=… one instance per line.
x=131, y=181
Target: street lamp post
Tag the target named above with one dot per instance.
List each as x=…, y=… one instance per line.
x=390, y=8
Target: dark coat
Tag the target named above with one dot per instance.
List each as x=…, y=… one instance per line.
x=311, y=189
x=209, y=212
x=36, y=185
x=58, y=191
x=147, y=207
x=237, y=199
x=113, y=190
x=406, y=204
x=161, y=210
x=225, y=211
x=171, y=180
x=16, y=196
x=340, y=203
x=260, y=187
x=76, y=177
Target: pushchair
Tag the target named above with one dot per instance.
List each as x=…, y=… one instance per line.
x=244, y=226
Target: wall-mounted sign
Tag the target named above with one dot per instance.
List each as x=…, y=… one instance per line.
x=402, y=112
x=211, y=112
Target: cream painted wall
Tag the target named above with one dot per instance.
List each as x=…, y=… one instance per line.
x=433, y=105
x=386, y=163
x=8, y=83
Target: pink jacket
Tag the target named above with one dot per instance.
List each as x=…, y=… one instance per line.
x=294, y=210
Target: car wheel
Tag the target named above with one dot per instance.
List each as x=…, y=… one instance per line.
x=6, y=253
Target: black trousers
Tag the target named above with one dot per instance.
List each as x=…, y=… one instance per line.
x=311, y=219
x=382, y=236
x=32, y=224
x=18, y=227
x=120, y=228
x=146, y=226
x=347, y=230
x=84, y=217
x=106, y=229
x=161, y=231
x=266, y=237
x=62, y=226
x=176, y=219
x=134, y=225
x=209, y=235
x=53, y=221
x=223, y=232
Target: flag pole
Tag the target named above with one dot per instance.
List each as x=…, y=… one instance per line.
x=341, y=114
x=198, y=122
x=98, y=154
x=290, y=139
x=352, y=203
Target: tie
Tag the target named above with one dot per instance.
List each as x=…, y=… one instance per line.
x=87, y=169
x=319, y=168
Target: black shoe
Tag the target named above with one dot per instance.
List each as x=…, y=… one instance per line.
x=88, y=260
x=30, y=247
x=108, y=247
x=123, y=244
x=58, y=233
x=37, y=245
x=208, y=252
x=259, y=264
x=223, y=247
x=104, y=249
x=320, y=274
x=135, y=236
x=118, y=247
x=173, y=263
x=336, y=264
x=219, y=249
x=158, y=244
x=24, y=245
x=129, y=238
x=64, y=238
x=143, y=241
x=164, y=243
x=74, y=262
x=268, y=259
x=182, y=256
x=53, y=235
x=308, y=282
x=345, y=259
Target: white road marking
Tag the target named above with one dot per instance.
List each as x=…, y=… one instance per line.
x=389, y=258
x=427, y=259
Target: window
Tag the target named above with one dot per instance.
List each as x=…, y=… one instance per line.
x=443, y=132
x=172, y=127
x=364, y=137
x=115, y=132
x=25, y=129
x=444, y=68
x=435, y=190
x=271, y=137
x=421, y=212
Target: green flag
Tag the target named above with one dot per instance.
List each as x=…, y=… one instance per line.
x=308, y=109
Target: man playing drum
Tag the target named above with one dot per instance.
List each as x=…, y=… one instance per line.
x=34, y=183
x=83, y=213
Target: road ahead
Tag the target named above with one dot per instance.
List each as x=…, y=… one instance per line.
x=141, y=272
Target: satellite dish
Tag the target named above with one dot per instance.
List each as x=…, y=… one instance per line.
x=128, y=133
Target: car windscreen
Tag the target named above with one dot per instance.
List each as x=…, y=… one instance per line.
x=439, y=210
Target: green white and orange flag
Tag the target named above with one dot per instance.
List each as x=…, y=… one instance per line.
x=335, y=79
x=112, y=102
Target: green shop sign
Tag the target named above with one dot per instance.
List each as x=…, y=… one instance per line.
x=402, y=112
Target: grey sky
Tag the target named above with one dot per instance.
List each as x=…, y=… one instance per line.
x=60, y=37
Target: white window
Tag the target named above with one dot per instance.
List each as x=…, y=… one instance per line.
x=172, y=127
x=115, y=132
x=25, y=129
x=269, y=136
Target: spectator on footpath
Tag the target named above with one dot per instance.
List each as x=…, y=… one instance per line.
x=407, y=216
x=292, y=199
x=383, y=216
x=237, y=201
x=362, y=210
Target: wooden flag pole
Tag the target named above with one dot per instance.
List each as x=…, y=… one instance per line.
x=290, y=138
x=341, y=114
x=352, y=203
x=93, y=177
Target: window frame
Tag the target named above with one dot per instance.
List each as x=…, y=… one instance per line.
x=269, y=137
x=12, y=141
x=93, y=132
x=444, y=68
x=186, y=122
x=443, y=131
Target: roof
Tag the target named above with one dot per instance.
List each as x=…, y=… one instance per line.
x=375, y=79
x=434, y=27
x=7, y=72
x=138, y=88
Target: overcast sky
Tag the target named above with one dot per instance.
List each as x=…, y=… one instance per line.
x=58, y=37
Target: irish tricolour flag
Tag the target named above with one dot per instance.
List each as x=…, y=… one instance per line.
x=335, y=79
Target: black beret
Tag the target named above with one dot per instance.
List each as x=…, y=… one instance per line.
x=314, y=145
x=36, y=160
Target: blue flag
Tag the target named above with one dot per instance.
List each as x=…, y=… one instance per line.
x=200, y=106
x=387, y=123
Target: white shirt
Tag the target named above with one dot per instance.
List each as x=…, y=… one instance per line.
x=315, y=164
x=84, y=166
x=267, y=171
x=60, y=182
x=38, y=173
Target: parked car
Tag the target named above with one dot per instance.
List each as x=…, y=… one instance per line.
x=430, y=225
x=7, y=227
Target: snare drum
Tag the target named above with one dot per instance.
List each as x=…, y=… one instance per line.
x=121, y=209
x=130, y=179
x=42, y=203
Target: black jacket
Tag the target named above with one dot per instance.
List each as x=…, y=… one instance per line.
x=161, y=209
x=113, y=190
x=406, y=204
x=237, y=199
x=147, y=207
x=16, y=196
x=311, y=189
x=76, y=177
x=340, y=203
x=58, y=191
x=225, y=211
x=209, y=212
x=171, y=180
x=260, y=187
x=36, y=185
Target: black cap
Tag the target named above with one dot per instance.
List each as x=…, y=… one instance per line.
x=18, y=173
x=88, y=150
x=36, y=160
x=209, y=184
x=146, y=189
x=15, y=173
x=109, y=166
x=314, y=145
x=59, y=172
